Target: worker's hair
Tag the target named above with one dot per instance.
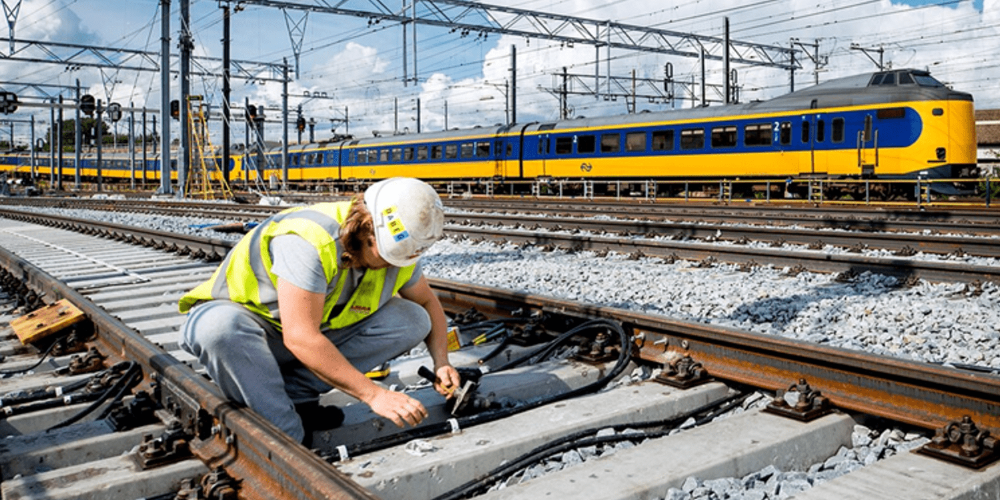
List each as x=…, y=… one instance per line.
x=356, y=232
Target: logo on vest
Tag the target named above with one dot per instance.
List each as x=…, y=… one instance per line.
x=361, y=310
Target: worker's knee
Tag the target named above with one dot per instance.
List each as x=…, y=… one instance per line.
x=215, y=326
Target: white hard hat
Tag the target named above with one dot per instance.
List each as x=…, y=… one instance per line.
x=408, y=217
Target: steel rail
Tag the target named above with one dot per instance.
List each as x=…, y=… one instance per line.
x=197, y=247
x=848, y=265
x=920, y=394
x=239, y=441
x=983, y=247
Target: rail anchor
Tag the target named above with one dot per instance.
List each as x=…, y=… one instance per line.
x=811, y=403
x=963, y=443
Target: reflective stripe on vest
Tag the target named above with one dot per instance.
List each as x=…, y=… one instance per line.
x=245, y=275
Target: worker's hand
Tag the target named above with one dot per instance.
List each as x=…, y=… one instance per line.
x=446, y=380
x=398, y=407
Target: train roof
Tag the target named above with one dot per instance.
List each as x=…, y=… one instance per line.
x=862, y=89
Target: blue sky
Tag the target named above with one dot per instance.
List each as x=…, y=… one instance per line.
x=360, y=66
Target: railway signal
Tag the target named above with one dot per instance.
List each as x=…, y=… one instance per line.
x=175, y=109
x=300, y=123
x=88, y=105
x=251, y=113
x=8, y=102
x=115, y=111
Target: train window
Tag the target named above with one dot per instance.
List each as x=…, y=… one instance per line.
x=635, y=141
x=820, y=130
x=611, y=143
x=436, y=152
x=693, y=138
x=547, y=126
x=422, y=152
x=905, y=78
x=467, y=149
x=451, y=151
x=889, y=79
x=926, y=80
x=351, y=157
x=757, y=134
x=383, y=155
x=497, y=148
x=564, y=145
x=837, y=134
x=319, y=158
x=785, y=130
x=877, y=79
x=293, y=160
x=805, y=132
x=407, y=154
x=397, y=154
x=663, y=140
x=510, y=149
x=724, y=137
x=586, y=144
x=890, y=113
x=483, y=149
x=868, y=128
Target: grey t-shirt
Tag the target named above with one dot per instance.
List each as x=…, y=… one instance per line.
x=295, y=260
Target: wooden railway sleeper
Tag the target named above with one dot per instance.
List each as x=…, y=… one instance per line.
x=810, y=405
x=963, y=443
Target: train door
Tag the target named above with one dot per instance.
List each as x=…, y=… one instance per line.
x=867, y=144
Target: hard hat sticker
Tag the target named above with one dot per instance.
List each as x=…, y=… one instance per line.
x=401, y=236
x=391, y=209
x=395, y=227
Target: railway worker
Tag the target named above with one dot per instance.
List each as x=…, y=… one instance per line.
x=315, y=296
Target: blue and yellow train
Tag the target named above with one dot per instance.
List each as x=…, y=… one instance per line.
x=897, y=124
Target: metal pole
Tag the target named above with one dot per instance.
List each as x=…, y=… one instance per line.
x=725, y=63
x=415, y=78
x=395, y=113
x=702, y=60
x=446, y=115
x=131, y=145
x=52, y=140
x=165, y=187
x=34, y=173
x=513, y=84
x=59, y=155
x=418, y=115
x=406, y=75
x=78, y=139
x=226, y=91
x=284, y=127
x=144, y=136
x=186, y=43
x=791, y=71
x=246, y=143
x=100, y=139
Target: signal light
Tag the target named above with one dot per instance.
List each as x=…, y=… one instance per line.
x=8, y=102
x=251, y=112
x=301, y=124
x=175, y=109
x=88, y=105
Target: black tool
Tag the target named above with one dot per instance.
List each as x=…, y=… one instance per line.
x=463, y=399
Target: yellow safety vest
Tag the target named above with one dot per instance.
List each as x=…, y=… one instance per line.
x=245, y=275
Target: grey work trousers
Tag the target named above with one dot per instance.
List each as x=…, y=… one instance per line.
x=246, y=357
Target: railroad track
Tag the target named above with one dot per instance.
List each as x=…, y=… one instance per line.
x=984, y=222
x=737, y=251
x=129, y=293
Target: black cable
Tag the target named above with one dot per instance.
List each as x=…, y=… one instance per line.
x=580, y=440
x=124, y=380
x=136, y=374
x=504, y=341
x=32, y=367
x=431, y=430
